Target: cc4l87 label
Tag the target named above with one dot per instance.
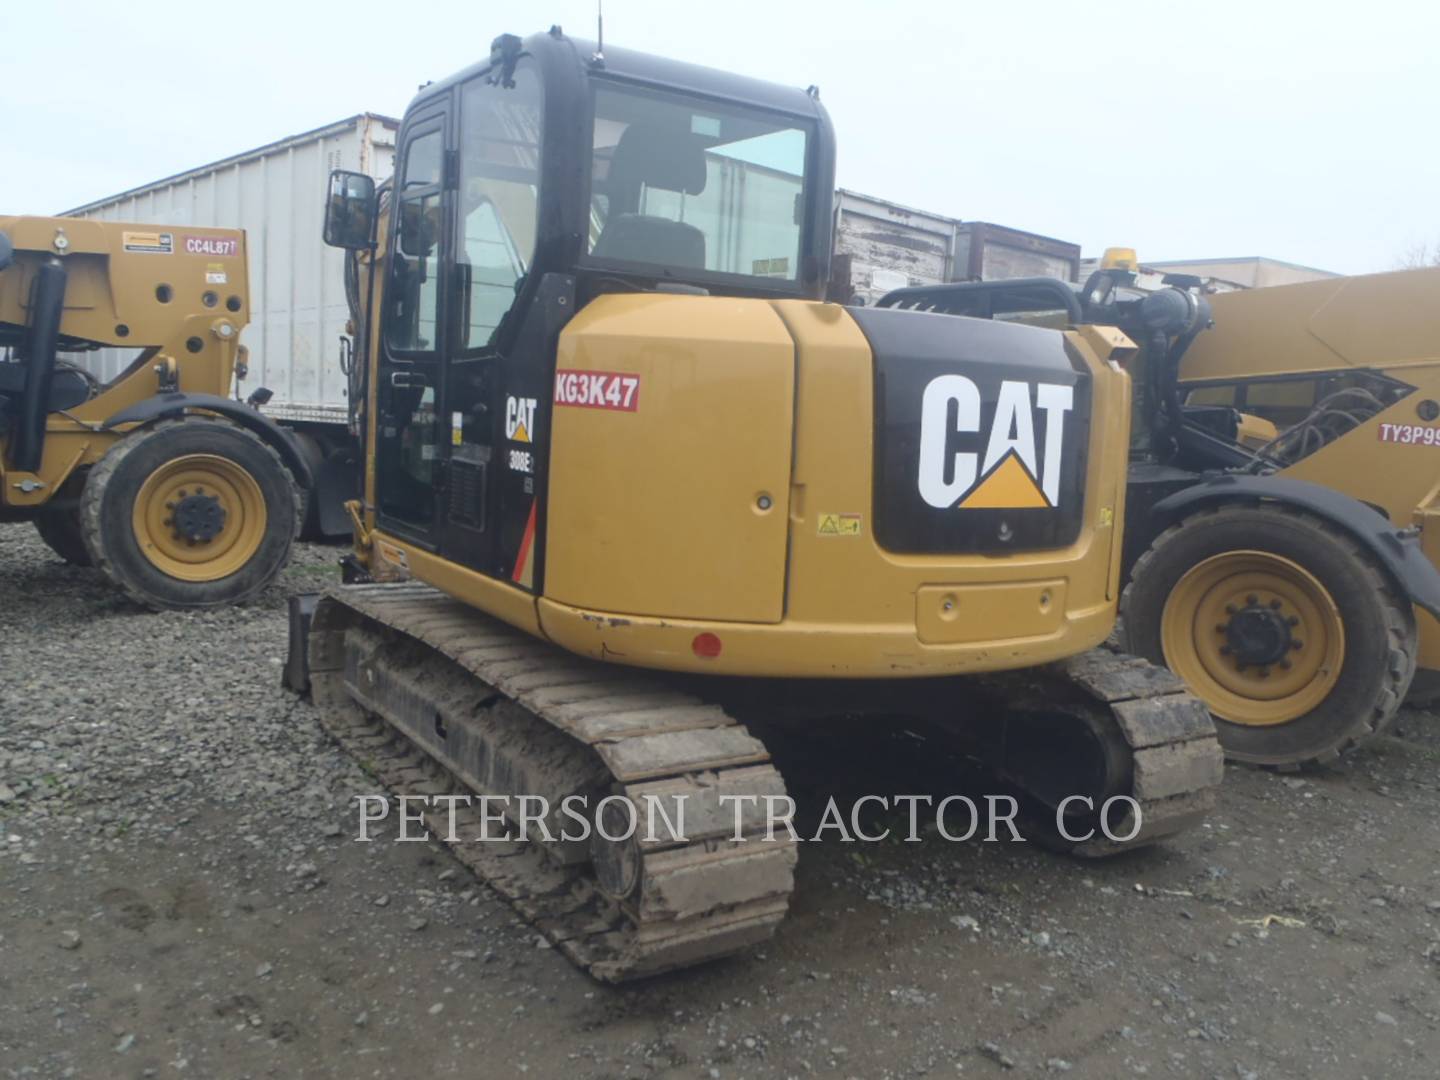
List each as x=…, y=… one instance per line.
x=598, y=390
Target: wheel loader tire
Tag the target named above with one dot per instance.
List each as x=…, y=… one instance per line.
x=1298, y=642
x=191, y=513
x=60, y=529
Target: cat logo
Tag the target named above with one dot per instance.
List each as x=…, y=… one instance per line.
x=1006, y=478
x=519, y=418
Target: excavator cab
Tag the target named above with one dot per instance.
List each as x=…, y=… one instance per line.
x=525, y=187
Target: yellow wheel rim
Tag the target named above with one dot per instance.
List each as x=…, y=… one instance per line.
x=1255, y=635
x=199, y=517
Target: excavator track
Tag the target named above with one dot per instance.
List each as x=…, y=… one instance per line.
x=1162, y=745
x=437, y=699
x=505, y=696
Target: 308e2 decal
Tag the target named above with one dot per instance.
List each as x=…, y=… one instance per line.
x=966, y=468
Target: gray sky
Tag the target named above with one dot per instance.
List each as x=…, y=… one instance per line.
x=1301, y=131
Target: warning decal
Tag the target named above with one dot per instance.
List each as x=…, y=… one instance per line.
x=839, y=525
x=394, y=555
x=148, y=243
x=598, y=390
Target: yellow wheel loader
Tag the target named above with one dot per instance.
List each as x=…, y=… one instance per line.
x=633, y=489
x=1300, y=599
x=1276, y=552
x=182, y=495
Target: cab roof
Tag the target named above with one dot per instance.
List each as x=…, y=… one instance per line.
x=627, y=65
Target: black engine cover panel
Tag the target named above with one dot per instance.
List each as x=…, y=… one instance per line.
x=981, y=433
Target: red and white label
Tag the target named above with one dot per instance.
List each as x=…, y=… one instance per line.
x=597, y=390
x=1411, y=434
x=211, y=245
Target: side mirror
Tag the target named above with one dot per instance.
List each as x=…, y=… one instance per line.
x=350, y=210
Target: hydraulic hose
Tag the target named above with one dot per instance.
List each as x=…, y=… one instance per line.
x=42, y=336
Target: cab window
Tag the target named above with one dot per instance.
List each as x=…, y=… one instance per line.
x=414, y=293
x=693, y=185
x=499, y=193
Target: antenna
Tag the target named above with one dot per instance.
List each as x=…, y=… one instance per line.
x=599, y=58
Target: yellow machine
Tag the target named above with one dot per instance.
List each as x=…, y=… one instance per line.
x=1276, y=555
x=1344, y=377
x=631, y=485
x=182, y=495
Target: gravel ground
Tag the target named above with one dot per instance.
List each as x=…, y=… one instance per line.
x=183, y=896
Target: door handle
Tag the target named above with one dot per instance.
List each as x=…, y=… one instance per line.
x=407, y=380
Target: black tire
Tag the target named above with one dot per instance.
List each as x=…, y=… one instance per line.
x=107, y=506
x=313, y=452
x=60, y=529
x=1378, y=622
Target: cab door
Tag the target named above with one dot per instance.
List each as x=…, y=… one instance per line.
x=494, y=407
x=410, y=428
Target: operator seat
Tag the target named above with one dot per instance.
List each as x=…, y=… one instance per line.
x=652, y=157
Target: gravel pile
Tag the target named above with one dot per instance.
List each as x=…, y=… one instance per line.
x=117, y=719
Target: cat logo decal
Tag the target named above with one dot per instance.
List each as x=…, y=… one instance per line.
x=519, y=419
x=966, y=468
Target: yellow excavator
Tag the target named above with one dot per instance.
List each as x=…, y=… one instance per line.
x=633, y=489
x=1280, y=549
x=184, y=496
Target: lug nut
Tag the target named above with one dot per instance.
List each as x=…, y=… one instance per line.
x=1219, y=628
x=1297, y=645
x=1284, y=665
x=1293, y=620
x=1252, y=599
x=1275, y=605
x=1229, y=609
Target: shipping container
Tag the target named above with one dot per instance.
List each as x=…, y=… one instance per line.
x=276, y=193
x=882, y=245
